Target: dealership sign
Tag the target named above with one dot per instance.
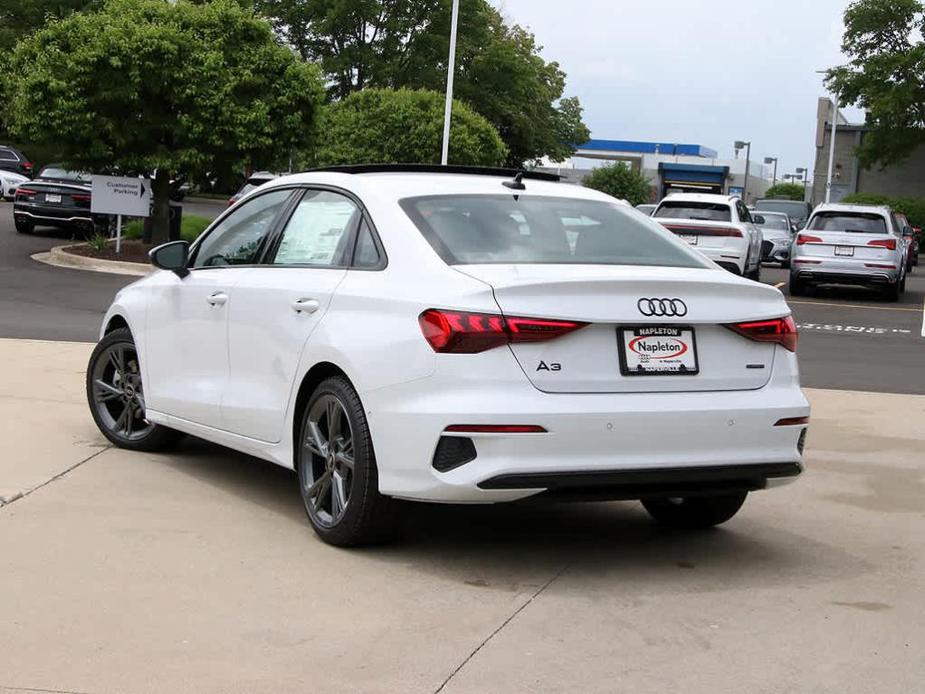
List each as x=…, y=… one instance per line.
x=121, y=195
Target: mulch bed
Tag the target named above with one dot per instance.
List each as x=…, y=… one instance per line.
x=131, y=252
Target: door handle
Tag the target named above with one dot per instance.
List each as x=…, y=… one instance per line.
x=305, y=305
x=217, y=299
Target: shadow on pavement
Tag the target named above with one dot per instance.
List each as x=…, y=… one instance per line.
x=500, y=546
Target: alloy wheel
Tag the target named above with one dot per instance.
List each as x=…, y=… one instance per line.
x=117, y=393
x=327, y=462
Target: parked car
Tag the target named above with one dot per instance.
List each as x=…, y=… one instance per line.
x=912, y=241
x=797, y=210
x=850, y=244
x=253, y=181
x=776, y=234
x=56, y=198
x=9, y=182
x=12, y=159
x=448, y=334
x=719, y=226
x=646, y=208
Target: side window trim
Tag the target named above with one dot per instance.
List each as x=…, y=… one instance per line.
x=194, y=249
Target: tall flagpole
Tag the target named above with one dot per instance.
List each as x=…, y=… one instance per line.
x=451, y=69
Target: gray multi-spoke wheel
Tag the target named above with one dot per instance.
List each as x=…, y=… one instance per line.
x=116, y=395
x=338, y=478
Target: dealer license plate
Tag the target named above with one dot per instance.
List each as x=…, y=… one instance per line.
x=844, y=250
x=690, y=238
x=52, y=197
x=655, y=350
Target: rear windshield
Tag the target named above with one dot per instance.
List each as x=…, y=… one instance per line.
x=476, y=229
x=707, y=211
x=62, y=174
x=797, y=210
x=852, y=222
x=773, y=222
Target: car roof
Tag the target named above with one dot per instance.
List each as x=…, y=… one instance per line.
x=702, y=197
x=850, y=207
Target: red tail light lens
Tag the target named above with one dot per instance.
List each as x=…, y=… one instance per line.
x=25, y=192
x=783, y=331
x=791, y=421
x=27, y=165
x=807, y=238
x=462, y=332
x=889, y=244
x=81, y=197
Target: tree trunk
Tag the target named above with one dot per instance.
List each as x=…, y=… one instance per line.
x=160, y=213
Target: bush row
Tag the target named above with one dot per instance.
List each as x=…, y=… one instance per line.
x=913, y=208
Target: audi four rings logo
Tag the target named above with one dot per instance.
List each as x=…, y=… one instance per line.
x=662, y=307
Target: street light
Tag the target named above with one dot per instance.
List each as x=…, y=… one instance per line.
x=451, y=69
x=828, y=178
x=804, y=172
x=772, y=160
x=739, y=144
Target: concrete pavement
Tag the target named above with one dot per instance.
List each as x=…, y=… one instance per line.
x=195, y=571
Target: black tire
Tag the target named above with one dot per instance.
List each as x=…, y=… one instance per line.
x=894, y=291
x=797, y=286
x=361, y=515
x=116, y=397
x=24, y=226
x=695, y=512
x=785, y=265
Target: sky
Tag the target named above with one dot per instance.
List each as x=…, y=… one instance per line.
x=704, y=72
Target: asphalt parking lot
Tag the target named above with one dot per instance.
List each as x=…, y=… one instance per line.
x=196, y=571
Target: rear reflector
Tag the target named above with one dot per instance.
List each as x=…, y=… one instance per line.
x=462, y=332
x=807, y=262
x=807, y=238
x=782, y=331
x=791, y=421
x=889, y=244
x=881, y=266
x=495, y=429
x=81, y=197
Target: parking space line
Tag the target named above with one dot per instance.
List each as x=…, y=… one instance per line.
x=875, y=308
x=779, y=285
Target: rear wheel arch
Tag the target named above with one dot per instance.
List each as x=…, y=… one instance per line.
x=117, y=322
x=312, y=379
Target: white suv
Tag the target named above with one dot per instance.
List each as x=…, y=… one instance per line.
x=452, y=335
x=850, y=244
x=719, y=226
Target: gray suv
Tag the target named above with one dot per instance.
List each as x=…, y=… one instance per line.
x=12, y=159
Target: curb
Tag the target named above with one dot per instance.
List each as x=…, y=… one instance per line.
x=59, y=257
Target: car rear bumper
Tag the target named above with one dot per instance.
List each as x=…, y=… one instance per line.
x=610, y=442
x=813, y=269
x=54, y=216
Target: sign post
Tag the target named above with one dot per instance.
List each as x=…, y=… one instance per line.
x=120, y=195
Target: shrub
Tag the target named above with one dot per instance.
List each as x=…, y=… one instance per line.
x=913, y=208
x=786, y=191
x=620, y=181
x=191, y=226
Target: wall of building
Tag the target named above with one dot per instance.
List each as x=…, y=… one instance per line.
x=845, y=171
x=905, y=180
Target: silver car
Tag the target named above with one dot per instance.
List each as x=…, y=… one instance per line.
x=850, y=244
x=776, y=234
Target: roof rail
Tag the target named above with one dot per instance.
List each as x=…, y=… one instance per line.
x=436, y=168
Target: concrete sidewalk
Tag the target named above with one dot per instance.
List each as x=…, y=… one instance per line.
x=197, y=572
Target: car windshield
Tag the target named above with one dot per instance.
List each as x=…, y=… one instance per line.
x=796, y=210
x=772, y=221
x=852, y=222
x=64, y=175
x=707, y=211
x=474, y=229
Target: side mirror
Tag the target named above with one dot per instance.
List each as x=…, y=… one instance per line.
x=171, y=256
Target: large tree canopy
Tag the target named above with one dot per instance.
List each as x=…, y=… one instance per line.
x=405, y=43
x=144, y=85
x=404, y=126
x=19, y=18
x=885, y=75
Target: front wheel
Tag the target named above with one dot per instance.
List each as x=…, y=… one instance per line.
x=338, y=477
x=116, y=396
x=695, y=511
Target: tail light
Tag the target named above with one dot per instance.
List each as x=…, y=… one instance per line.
x=25, y=192
x=782, y=331
x=889, y=244
x=81, y=197
x=27, y=165
x=462, y=332
x=807, y=238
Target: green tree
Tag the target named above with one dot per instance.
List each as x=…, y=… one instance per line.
x=145, y=85
x=787, y=191
x=19, y=18
x=620, y=181
x=404, y=43
x=885, y=75
x=404, y=126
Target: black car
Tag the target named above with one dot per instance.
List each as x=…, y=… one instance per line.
x=12, y=159
x=56, y=198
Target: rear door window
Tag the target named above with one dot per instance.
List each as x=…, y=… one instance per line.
x=318, y=232
x=475, y=229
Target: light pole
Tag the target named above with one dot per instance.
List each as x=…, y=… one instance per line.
x=772, y=160
x=739, y=144
x=828, y=177
x=451, y=69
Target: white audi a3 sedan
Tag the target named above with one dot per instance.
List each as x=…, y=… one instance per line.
x=456, y=335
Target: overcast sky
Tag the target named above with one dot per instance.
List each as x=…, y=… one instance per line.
x=703, y=72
